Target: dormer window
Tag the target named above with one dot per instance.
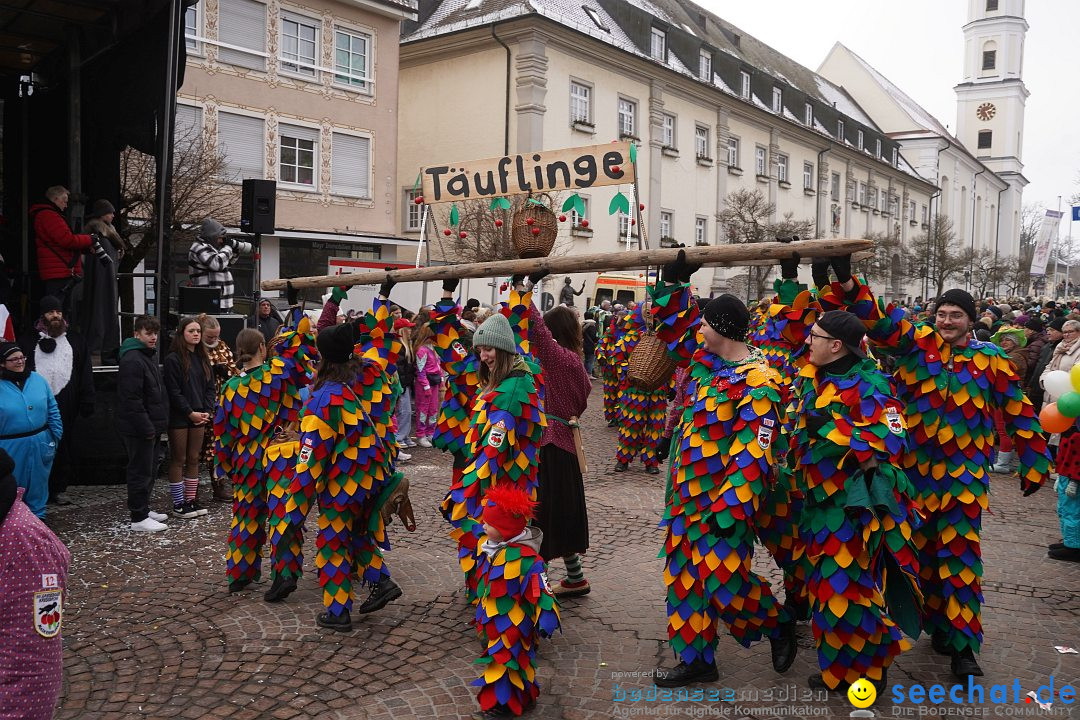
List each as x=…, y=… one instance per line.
x=594, y=15
x=877, y=148
x=859, y=144
x=744, y=88
x=705, y=66
x=777, y=100
x=658, y=45
x=840, y=130
x=808, y=115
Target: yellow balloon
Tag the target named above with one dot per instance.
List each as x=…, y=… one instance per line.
x=1074, y=377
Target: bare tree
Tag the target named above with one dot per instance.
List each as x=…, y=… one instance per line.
x=198, y=192
x=487, y=231
x=879, y=267
x=988, y=273
x=747, y=218
x=937, y=255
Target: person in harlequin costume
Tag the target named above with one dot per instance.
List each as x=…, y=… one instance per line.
x=721, y=460
x=265, y=394
x=609, y=373
x=846, y=447
x=950, y=385
x=492, y=417
x=641, y=413
x=515, y=605
x=346, y=459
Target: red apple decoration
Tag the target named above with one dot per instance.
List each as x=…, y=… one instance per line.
x=614, y=168
x=641, y=206
x=529, y=221
x=498, y=223
x=446, y=232
x=633, y=222
x=562, y=218
x=419, y=200
x=536, y=231
x=463, y=234
x=585, y=223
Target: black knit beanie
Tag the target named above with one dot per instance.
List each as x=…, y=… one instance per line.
x=961, y=299
x=728, y=316
x=336, y=342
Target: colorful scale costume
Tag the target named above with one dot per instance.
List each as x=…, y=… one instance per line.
x=856, y=526
x=722, y=457
x=495, y=434
x=641, y=413
x=346, y=458
x=609, y=372
x=780, y=331
x=516, y=606
x=950, y=393
x=251, y=406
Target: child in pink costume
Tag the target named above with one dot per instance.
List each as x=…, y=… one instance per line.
x=426, y=387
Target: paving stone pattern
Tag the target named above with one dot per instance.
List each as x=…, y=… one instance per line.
x=150, y=631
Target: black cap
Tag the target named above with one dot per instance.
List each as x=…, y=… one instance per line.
x=1058, y=323
x=50, y=303
x=961, y=299
x=336, y=342
x=845, y=327
x=1035, y=324
x=728, y=316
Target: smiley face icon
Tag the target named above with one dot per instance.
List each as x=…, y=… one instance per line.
x=862, y=693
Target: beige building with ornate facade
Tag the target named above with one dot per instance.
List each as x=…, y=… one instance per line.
x=714, y=109
x=304, y=93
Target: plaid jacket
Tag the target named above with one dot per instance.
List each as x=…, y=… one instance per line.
x=208, y=266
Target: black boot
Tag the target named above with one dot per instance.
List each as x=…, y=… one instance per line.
x=798, y=608
x=939, y=640
x=381, y=593
x=784, y=646
x=964, y=664
x=621, y=467
x=280, y=589
x=686, y=673
x=1064, y=553
x=238, y=585
x=339, y=623
x=816, y=682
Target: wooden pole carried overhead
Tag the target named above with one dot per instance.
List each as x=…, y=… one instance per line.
x=766, y=253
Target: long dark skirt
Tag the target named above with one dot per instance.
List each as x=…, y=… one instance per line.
x=561, y=514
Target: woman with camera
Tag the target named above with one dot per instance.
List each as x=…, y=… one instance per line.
x=210, y=258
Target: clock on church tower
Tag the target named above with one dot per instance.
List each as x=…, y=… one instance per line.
x=985, y=111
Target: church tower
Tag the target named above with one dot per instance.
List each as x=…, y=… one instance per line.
x=990, y=102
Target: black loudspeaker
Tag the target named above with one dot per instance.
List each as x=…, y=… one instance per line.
x=231, y=325
x=195, y=300
x=257, y=206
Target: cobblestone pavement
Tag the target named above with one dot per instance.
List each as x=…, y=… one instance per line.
x=150, y=631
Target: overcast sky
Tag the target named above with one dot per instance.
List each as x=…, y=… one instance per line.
x=918, y=45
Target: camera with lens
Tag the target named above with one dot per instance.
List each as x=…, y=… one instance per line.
x=98, y=248
x=240, y=247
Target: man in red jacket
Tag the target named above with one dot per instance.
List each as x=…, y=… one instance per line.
x=59, y=251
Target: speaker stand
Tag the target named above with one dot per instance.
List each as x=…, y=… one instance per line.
x=256, y=284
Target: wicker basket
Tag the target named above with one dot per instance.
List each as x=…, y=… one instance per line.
x=527, y=243
x=650, y=366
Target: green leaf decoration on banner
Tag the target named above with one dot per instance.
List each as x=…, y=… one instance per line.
x=619, y=202
x=575, y=203
x=500, y=203
x=633, y=152
x=534, y=201
x=455, y=217
x=416, y=185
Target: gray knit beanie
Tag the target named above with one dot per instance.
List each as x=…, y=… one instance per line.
x=211, y=229
x=495, y=332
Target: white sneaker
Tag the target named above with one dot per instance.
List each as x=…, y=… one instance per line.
x=148, y=525
x=160, y=517
x=424, y=442
x=403, y=456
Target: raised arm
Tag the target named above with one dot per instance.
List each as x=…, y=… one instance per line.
x=885, y=325
x=675, y=311
x=332, y=307
x=1021, y=422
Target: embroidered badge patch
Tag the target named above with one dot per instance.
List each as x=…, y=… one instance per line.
x=48, y=612
x=764, y=437
x=896, y=423
x=544, y=580
x=497, y=435
x=459, y=349
x=305, y=452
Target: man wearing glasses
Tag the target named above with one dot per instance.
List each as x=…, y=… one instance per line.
x=30, y=425
x=951, y=385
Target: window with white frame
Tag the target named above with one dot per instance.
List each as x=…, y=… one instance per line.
x=808, y=115
x=911, y=211
x=924, y=214
x=733, y=152
x=667, y=130
x=744, y=86
x=297, y=155
x=413, y=213
x=188, y=123
x=840, y=130
x=808, y=176
x=241, y=140
x=192, y=28
x=777, y=100
x=859, y=141
x=658, y=45
x=862, y=193
x=877, y=148
x=627, y=118
x=894, y=205
x=242, y=32
x=624, y=224
x=705, y=65
x=872, y=197
x=760, y=161
x=299, y=44
x=352, y=55
x=781, y=168
x=701, y=231
x=834, y=186
x=895, y=157
x=575, y=219
x=665, y=224
x=580, y=103
x=701, y=142
x=350, y=165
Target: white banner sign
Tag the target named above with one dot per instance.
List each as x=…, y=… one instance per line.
x=1044, y=241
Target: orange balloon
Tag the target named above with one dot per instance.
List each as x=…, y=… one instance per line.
x=1053, y=421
